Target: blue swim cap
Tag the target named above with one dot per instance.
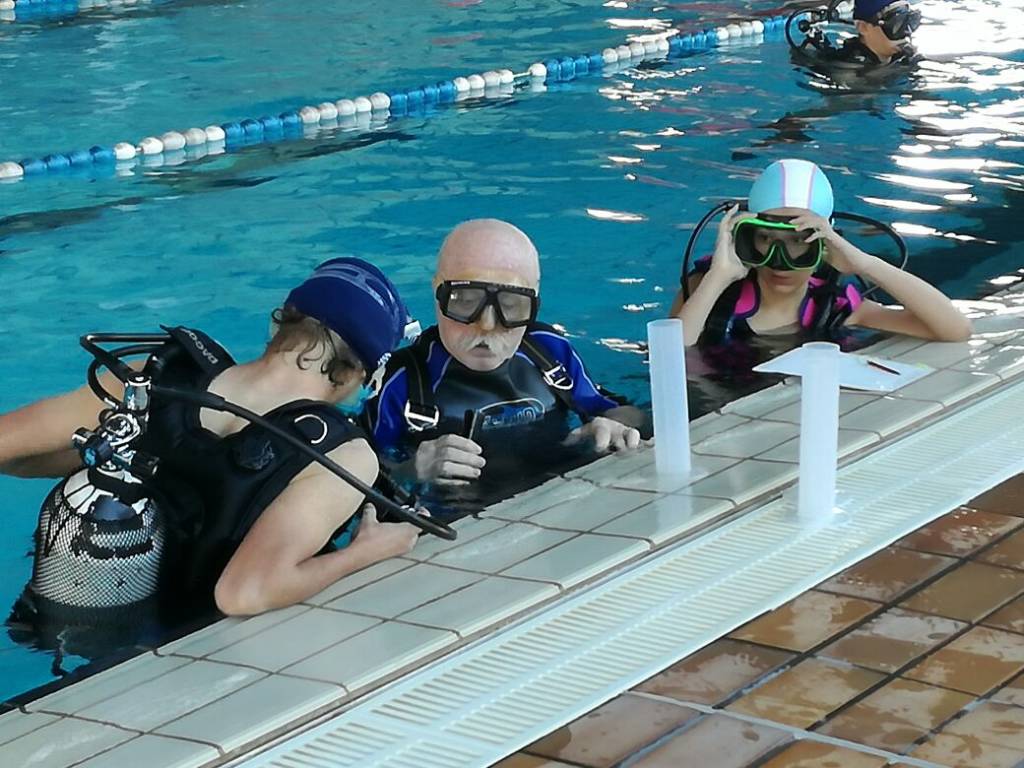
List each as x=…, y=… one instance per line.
x=355, y=300
x=791, y=184
x=868, y=10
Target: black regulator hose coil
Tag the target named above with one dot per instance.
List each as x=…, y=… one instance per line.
x=808, y=22
x=882, y=227
x=139, y=388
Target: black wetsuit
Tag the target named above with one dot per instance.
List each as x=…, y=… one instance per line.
x=213, y=488
x=854, y=57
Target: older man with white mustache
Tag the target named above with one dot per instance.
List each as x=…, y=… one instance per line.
x=486, y=400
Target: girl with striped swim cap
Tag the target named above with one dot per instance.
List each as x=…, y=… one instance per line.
x=778, y=268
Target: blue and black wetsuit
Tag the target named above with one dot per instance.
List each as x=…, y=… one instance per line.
x=517, y=415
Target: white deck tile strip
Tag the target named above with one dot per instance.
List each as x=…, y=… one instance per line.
x=475, y=707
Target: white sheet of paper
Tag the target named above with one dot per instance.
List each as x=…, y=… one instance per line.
x=854, y=371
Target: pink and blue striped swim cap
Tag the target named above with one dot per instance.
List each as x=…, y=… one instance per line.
x=791, y=184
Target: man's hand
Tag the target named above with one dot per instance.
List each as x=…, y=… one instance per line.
x=606, y=434
x=450, y=460
x=384, y=539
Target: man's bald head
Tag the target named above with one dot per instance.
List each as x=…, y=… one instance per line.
x=489, y=250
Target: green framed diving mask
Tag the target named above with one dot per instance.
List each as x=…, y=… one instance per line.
x=753, y=235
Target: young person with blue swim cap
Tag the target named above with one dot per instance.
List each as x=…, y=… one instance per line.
x=773, y=272
x=250, y=515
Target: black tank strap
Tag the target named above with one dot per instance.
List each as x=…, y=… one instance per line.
x=827, y=314
x=555, y=376
x=716, y=327
x=421, y=411
x=210, y=356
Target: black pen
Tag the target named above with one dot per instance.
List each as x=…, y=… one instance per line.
x=881, y=367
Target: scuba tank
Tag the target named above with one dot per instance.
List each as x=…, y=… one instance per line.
x=93, y=550
x=100, y=536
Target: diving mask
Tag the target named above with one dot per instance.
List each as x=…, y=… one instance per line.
x=465, y=300
x=760, y=242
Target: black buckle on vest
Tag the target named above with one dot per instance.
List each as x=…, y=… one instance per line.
x=557, y=377
x=420, y=422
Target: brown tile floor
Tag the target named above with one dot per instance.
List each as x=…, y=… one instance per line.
x=915, y=652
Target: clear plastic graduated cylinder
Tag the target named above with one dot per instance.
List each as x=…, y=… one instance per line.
x=668, y=397
x=819, y=432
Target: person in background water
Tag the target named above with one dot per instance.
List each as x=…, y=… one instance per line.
x=884, y=28
x=483, y=403
x=774, y=272
x=252, y=515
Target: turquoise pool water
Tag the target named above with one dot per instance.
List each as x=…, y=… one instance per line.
x=607, y=174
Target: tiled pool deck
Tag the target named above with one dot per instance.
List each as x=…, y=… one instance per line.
x=223, y=690
x=916, y=653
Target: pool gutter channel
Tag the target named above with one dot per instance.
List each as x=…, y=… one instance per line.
x=580, y=651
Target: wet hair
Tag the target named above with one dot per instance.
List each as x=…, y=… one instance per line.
x=295, y=330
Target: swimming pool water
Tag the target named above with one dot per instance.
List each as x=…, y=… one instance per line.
x=607, y=174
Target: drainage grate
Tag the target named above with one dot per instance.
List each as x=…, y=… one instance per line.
x=477, y=706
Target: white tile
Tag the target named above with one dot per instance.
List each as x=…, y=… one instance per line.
x=579, y=559
x=943, y=355
x=404, y=590
x=368, y=657
x=764, y=401
x=712, y=423
x=63, y=743
x=251, y=713
x=744, y=481
x=166, y=698
x=647, y=478
x=504, y=547
x=999, y=329
x=747, y=440
x=588, y=512
x=106, y=684
x=482, y=605
x=948, y=386
x=228, y=631
x=368, y=575
x=469, y=528
x=850, y=441
x=615, y=464
x=667, y=518
x=895, y=346
x=295, y=639
x=1006, y=361
x=153, y=752
x=886, y=415
x=15, y=724
x=847, y=402
x=552, y=493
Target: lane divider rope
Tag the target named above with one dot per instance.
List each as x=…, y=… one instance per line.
x=48, y=10
x=177, y=147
